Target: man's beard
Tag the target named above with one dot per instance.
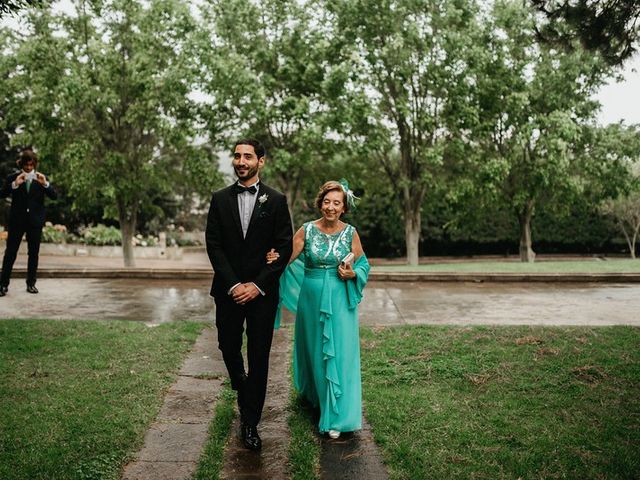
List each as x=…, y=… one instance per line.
x=249, y=173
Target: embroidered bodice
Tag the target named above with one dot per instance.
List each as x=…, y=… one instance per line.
x=323, y=250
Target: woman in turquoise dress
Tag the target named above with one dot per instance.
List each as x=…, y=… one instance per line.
x=324, y=292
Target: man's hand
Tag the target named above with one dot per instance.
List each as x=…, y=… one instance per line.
x=41, y=179
x=244, y=293
x=20, y=179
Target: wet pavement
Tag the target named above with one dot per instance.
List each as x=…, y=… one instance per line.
x=150, y=301
x=385, y=303
x=591, y=304
x=272, y=461
x=353, y=455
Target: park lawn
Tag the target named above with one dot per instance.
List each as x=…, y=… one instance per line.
x=78, y=396
x=612, y=265
x=504, y=402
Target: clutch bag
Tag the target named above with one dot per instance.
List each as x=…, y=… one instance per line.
x=348, y=259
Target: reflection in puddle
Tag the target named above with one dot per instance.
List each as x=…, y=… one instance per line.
x=150, y=301
x=384, y=303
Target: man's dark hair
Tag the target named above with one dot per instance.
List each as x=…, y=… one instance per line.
x=27, y=155
x=257, y=146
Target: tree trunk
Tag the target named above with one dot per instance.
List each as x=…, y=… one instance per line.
x=631, y=239
x=291, y=188
x=524, y=218
x=412, y=227
x=128, y=220
x=626, y=237
x=632, y=247
x=292, y=193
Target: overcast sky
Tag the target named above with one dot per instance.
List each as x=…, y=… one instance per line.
x=621, y=101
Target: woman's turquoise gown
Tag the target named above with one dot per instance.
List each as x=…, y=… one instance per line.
x=326, y=358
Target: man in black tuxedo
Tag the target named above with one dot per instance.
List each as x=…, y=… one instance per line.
x=27, y=189
x=245, y=221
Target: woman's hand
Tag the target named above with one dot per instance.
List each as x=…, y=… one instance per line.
x=272, y=256
x=345, y=271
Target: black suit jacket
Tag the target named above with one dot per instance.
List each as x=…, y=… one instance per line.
x=238, y=260
x=27, y=208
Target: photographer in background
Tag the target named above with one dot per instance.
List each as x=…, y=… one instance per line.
x=27, y=189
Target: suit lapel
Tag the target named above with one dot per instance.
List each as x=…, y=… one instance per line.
x=235, y=212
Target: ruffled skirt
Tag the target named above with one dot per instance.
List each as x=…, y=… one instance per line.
x=327, y=351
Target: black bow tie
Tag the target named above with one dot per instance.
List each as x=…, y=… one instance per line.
x=241, y=189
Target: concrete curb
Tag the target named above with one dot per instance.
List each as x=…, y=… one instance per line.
x=505, y=277
x=380, y=276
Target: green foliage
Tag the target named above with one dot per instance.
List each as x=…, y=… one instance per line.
x=101, y=235
x=418, y=87
x=13, y=6
x=451, y=118
x=263, y=86
x=175, y=238
x=145, y=241
x=608, y=27
x=54, y=233
x=625, y=212
x=534, y=101
x=105, y=96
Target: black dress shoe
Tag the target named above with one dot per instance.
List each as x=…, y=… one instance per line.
x=250, y=437
x=3, y=290
x=32, y=289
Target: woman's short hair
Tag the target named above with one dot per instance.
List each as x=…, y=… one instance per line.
x=27, y=155
x=331, y=186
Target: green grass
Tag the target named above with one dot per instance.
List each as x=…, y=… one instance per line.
x=210, y=464
x=504, y=402
x=76, y=397
x=304, y=448
x=569, y=266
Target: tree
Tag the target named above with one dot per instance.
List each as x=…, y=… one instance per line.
x=625, y=211
x=108, y=93
x=616, y=149
x=609, y=27
x=13, y=6
x=414, y=59
x=534, y=101
x=269, y=77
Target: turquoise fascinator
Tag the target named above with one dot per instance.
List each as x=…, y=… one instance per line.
x=351, y=198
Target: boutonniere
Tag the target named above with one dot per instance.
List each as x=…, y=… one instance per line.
x=263, y=198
